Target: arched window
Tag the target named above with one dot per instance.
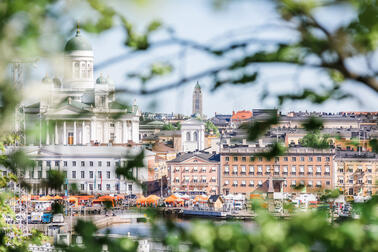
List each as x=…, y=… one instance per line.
x=187, y=136
x=83, y=70
x=195, y=136
x=76, y=70
x=89, y=69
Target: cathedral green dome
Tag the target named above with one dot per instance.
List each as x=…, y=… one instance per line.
x=77, y=43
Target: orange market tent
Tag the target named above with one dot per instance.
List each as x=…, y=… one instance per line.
x=152, y=199
x=106, y=198
x=201, y=198
x=171, y=199
x=120, y=197
x=57, y=197
x=46, y=198
x=141, y=200
x=35, y=197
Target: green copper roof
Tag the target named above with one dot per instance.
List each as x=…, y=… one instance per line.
x=101, y=80
x=198, y=86
x=77, y=43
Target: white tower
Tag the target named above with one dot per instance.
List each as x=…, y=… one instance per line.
x=192, y=135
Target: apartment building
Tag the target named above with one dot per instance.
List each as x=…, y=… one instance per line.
x=243, y=171
x=357, y=172
x=194, y=173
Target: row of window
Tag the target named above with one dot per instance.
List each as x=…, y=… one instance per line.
x=76, y=175
x=260, y=183
x=108, y=187
x=369, y=180
x=74, y=163
x=369, y=170
x=277, y=159
x=285, y=169
x=195, y=169
x=195, y=179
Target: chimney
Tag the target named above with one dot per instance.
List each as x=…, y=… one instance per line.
x=228, y=141
x=261, y=144
x=244, y=141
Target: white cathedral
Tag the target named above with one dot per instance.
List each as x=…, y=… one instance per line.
x=78, y=110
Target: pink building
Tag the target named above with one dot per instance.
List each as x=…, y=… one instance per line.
x=194, y=173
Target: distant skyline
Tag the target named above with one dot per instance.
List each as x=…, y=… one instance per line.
x=199, y=21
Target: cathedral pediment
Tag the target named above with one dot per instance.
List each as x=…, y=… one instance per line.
x=37, y=151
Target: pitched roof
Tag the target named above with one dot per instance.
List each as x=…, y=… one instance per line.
x=209, y=157
x=242, y=115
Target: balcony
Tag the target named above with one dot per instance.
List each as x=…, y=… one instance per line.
x=293, y=173
x=277, y=173
x=310, y=173
x=243, y=185
x=267, y=173
x=318, y=174
x=327, y=173
x=301, y=173
x=235, y=173
x=284, y=173
x=226, y=172
x=251, y=185
x=242, y=173
x=251, y=173
x=259, y=173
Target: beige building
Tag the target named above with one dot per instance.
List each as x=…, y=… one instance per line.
x=243, y=171
x=357, y=173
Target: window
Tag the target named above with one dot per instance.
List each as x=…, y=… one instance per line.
x=213, y=179
x=117, y=187
x=293, y=183
x=177, y=169
x=108, y=163
x=251, y=158
x=369, y=180
x=243, y=183
x=251, y=169
x=40, y=174
x=99, y=187
x=277, y=159
x=177, y=180
x=267, y=168
x=276, y=170
x=195, y=168
x=108, y=187
x=251, y=183
x=244, y=159
x=309, y=184
x=260, y=159
x=64, y=163
x=91, y=187
x=227, y=169
x=327, y=171
x=99, y=174
x=369, y=170
x=309, y=168
x=91, y=174
x=301, y=170
x=203, y=169
x=187, y=136
x=187, y=169
x=56, y=163
x=195, y=179
x=318, y=184
x=82, y=163
x=328, y=159
x=341, y=180
x=112, y=125
x=235, y=169
x=82, y=174
x=243, y=169
x=260, y=183
x=286, y=159
x=99, y=163
x=328, y=182
x=293, y=170
x=259, y=169
x=64, y=174
x=235, y=158
x=285, y=168
x=293, y=158
x=203, y=179
x=302, y=159
x=73, y=163
x=227, y=159
x=319, y=159
x=108, y=174
x=318, y=170
x=82, y=187
x=301, y=182
x=73, y=174
x=48, y=163
x=90, y=163
x=235, y=183
x=213, y=168
x=310, y=159
x=226, y=182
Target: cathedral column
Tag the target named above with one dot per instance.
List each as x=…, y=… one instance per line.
x=124, y=128
x=82, y=132
x=47, y=133
x=56, y=133
x=74, y=136
x=64, y=133
x=92, y=131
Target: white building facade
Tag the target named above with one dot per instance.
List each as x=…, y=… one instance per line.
x=192, y=135
x=91, y=168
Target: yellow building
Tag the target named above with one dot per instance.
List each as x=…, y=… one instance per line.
x=356, y=173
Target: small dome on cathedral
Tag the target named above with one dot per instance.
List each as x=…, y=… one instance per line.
x=47, y=79
x=101, y=80
x=77, y=43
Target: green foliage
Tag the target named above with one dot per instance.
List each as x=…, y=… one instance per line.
x=276, y=149
x=55, y=180
x=313, y=124
x=257, y=128
x=168, y=126
x=210, y=127
x=315, y=140
x=374, y=145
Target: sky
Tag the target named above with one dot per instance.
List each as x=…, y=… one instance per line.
x=199, y=21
